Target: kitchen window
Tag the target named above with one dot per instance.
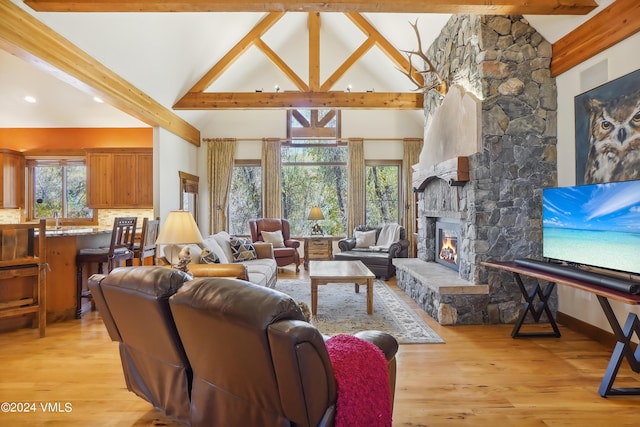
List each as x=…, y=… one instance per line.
x=58, y=187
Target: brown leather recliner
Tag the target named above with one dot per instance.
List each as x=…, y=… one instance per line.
x=133, y=303
x=285, y=255
x=255, y=361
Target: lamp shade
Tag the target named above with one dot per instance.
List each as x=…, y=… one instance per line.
x=315, y=213
x=179, y=228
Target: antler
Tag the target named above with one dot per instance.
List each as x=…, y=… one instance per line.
x=438, y=83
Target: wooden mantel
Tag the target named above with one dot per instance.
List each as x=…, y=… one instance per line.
x=455, y=171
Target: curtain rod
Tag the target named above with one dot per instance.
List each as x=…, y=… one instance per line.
x=320, y=139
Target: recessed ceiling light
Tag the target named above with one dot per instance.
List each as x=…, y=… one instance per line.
x=98, y=99
x=30, y=99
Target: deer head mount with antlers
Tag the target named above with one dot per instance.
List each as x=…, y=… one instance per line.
x=435, y=80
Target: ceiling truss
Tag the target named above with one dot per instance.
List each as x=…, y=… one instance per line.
x=313, y=93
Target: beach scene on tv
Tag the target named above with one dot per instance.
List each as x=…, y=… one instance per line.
x=596, y=225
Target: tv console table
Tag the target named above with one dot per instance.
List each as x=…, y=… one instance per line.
x=623, y=335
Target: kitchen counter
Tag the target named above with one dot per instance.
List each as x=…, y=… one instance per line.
x=76, y=231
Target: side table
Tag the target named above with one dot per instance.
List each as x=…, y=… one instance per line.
x=318, y=248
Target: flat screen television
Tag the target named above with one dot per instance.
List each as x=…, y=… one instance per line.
x=594, y=225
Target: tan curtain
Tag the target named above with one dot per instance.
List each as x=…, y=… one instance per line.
x=221, y=153
x=412, y=149
x=356, y=199
x=271, y=170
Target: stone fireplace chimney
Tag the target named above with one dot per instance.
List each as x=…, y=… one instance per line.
x=504, y=65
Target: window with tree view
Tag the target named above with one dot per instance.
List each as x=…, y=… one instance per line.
x=314, y=171
x=382, y=190
x=59, y=187
x=245, y=196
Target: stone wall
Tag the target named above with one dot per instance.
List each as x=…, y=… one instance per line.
x=506, y=62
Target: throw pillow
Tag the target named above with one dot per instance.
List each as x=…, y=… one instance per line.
x=273, y=237
x=212, y=245
x=223, y=239
x=364, y=239
x=242, y=249
x=208, y=257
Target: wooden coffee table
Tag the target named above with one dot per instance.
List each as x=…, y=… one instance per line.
x=323, y=272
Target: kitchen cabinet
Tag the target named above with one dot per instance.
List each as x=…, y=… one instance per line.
x=11, y=179
x=120, y=178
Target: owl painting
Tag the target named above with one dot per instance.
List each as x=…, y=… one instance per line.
x=611, y=135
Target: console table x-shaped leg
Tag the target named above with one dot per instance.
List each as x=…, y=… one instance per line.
x=536, y=310
x=623, y=334
x=621, y=350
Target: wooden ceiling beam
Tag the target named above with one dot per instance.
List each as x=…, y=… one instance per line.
x=477, y=7
x=24, y=36
x=314, y=50
x=284, y=100
x=275, y=59
x=230, y=57
x=616, y=22
x=385, y=46
x=346, y=65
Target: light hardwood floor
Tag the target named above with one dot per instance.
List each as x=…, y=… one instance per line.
x=479, y=377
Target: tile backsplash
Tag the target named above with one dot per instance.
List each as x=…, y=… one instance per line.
x=105, y=216
x=9, y=216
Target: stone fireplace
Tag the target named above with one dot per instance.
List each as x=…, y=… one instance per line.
x=489, y=149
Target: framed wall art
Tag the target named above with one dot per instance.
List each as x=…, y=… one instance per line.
x=608, y=131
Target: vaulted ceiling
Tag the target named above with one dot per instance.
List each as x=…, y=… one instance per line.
x=153, y=61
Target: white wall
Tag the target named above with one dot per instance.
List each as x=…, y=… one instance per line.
x=621, y=59
x=171, y=154
x=355, y=123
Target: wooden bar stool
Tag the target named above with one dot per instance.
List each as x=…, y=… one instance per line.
x=120, y=249
x=146, y=247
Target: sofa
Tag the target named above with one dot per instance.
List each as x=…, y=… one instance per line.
x=221, y=260
x=221, y=351
x=365, y=246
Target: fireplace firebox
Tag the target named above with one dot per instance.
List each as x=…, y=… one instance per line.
x=447, y=242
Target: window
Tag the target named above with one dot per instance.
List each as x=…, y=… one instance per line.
x=189, y=193
x=245, y=196
x=313, y=175
x=314, y=171
x=382, y=192
x=59, y=186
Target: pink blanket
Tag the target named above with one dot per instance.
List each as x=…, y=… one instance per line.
x=360, y=370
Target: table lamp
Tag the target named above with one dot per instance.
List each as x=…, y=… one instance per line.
x=316, y=215
x=180, y=229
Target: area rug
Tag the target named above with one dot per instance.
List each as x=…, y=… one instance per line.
x=342, y=310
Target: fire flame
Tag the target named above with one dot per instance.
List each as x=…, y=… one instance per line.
x=448, y=250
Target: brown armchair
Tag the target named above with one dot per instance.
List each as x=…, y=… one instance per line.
x=285, y=254
x=263, y=365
